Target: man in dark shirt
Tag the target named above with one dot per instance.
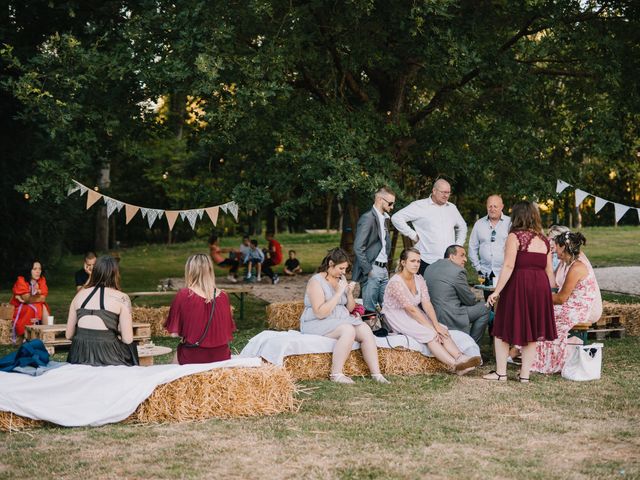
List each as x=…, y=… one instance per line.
x=83, y=275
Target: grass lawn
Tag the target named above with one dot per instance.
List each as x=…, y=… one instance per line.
x=437, y=426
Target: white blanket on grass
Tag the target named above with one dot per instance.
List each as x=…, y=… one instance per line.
x=274, y=346
x=81, y=395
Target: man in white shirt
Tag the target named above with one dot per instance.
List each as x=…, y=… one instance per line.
x=436, y=224
x=486, y=243
x=372, y=247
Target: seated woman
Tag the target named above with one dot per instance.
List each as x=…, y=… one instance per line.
x=216, y=255
x=201, y=315
x=327, y=303
x=29, y=300
x=99, y=324
x=406, y=292
x=572, y=304
x=562, y=268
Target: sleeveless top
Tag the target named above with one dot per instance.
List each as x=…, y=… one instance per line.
x=110, y=319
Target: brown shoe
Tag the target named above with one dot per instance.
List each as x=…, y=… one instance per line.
x=463, y=362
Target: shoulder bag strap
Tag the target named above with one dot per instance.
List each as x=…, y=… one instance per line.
x=206, y=329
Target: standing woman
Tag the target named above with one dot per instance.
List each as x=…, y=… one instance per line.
x=328, y=301
x=406, y=292
x=201, y=315
x=29, y=300
x=525, y=312
x=99, y=324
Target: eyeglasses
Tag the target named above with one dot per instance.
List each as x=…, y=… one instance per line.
x=388, y=202
x=493, y=235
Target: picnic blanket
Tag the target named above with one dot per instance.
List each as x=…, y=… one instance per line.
x=274, y=346
x=81, y=395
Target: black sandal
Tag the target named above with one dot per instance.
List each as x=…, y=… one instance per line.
x=523, y=379
x=499, y=379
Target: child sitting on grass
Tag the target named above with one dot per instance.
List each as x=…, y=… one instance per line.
x=292, y=265
x=254, y=257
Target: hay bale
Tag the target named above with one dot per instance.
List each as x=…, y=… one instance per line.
x=218, y=393
x=284, y=315
x=154, y=316
x=399, y=361
x=630, y=313
x=5, y=331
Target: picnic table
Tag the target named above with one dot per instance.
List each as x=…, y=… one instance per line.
x=237, y=291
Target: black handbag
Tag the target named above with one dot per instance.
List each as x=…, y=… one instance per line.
x=206, y=329
x=378, y=323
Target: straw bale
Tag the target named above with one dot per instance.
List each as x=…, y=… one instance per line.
x=399, y=361
x=284, y=315
x=630, y=313
x=219, y=393
x=5, y=332
x=155, y=316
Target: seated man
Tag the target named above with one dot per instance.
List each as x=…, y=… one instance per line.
x=253, y=257
x=292, y=265
x=83, y=275
x=453, y=299
x=215, y=252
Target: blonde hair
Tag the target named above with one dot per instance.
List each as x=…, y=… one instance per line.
x=198, y=272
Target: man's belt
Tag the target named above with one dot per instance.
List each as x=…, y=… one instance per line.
x=380, y=264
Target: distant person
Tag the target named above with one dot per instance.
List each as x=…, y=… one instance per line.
x=561, y=272
x=273, y=258
x=572, y=304
x=201, y=315
x=29, y=300
x=292, y=265
x=525, y=312
x=437, y=223
x=99, y=324
x=244, y=248
x=372, y=249
x=215, y=252
x=253, y=258
x=408, y=310
x=328, y=302
x=453, y=299
x=83, y=275
x=486, y=243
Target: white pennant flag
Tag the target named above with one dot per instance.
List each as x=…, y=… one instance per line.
x=561, y=185
x=620, y=210
x=153, y=215
x=600, y=202
x=191, y=216
x=233, y=208
x=580, y=196
x=224, y=207
x=72, y=189
x=144, y=212
x=112, y=205
x=638, y=209
x=200, y=213
x=83, y=190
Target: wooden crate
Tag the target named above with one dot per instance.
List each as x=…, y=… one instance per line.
x=607, y=326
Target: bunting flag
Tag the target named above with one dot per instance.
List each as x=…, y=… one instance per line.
x=130, y=212
x=213, y=214
x=638, y=209
x=153, y=214
x=561, y=185
x=620, y=211
x=580, y=196
x=600, y=202
x=172, y=216
x=92, y=197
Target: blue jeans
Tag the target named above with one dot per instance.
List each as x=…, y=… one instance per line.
x=372, y=288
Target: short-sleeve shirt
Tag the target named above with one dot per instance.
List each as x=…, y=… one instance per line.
x=291, y=264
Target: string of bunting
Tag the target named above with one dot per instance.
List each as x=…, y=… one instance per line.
x=152, y=214
x=620, y=209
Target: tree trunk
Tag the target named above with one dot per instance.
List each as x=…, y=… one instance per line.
x=327, y=222
x=349, y=227
x=341, y=216
x=177, y=113
x=578, y=218
x=102, y=223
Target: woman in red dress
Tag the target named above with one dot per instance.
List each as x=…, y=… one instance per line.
x=525, y=313
x=29, y=294
x=201, y=315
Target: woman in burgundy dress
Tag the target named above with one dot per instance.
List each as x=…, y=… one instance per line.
x=525, y=312
x=201, y=315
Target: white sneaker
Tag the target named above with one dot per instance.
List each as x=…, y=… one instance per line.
x=259, y=278
x=232, y=279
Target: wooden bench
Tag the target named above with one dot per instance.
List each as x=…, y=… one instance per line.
x=54, y=335
x=581, y=330
x=606, y=326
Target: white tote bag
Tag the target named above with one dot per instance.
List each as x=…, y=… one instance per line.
x=584, y=362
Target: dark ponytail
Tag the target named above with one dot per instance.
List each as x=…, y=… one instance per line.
x=335, y=255
x=571, y=241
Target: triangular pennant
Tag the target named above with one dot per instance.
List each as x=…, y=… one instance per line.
x=112, y=205
x=620, y=210
x=144, y=212
x=600, y=202
x=72, y=189
x=152, y=215
x=580, y=196
x=638, y=209
x=92, y=197
x=130, y=211
x=213, y=214
x=233, y=208
x=561, y=185
x=191, y=216
x=224, y=207
x=200, y=213
x=183, y=214
x=83, y=190
x=171, y=215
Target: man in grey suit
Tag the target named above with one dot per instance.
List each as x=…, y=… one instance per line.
x=451, y=296
x=372, y=247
